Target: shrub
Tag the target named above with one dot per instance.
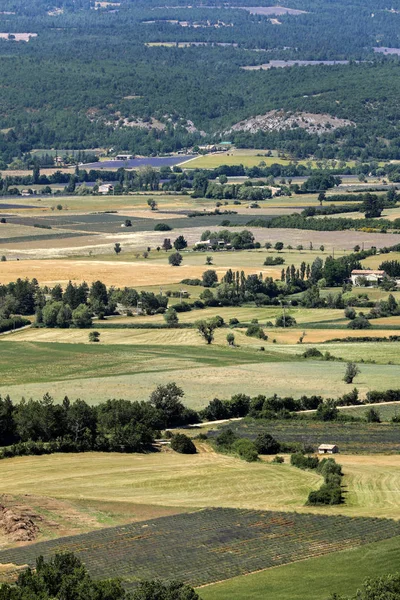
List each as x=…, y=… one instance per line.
x=312, y=353
x=271, y=261
x=255, y=330
x=303, y=462
x=175, y=259
x=183, y=444
x=162, y=227
x=246, y=449
x=359, y=323
x=278, y=460
x=285, y=321
x=266, y=444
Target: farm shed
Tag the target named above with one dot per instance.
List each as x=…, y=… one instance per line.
x=371, y=276
x=105, y=188
x=328, y=449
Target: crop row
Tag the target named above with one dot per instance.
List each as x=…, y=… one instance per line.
x=355, y=438
x=209, y=545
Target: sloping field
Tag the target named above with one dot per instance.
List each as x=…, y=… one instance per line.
x=205, y=479
x=352, y=438
x=308, y=579
x=99, y=372
x=210, y=545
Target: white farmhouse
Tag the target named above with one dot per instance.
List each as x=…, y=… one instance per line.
x=371, y=276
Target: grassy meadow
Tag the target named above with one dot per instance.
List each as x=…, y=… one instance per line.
x=315, y=578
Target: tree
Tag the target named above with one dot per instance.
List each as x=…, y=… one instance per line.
x=175, y=259
x=180, y=243
x=152, y=204
x=359, y=322
x=246, y=449
x=167, y=400
x=50, y=313
x=82, y=317
x=183, y=444
x=206, y=329
x=230, y=338
x=158, y=590
x=64, y=317
x=94, y=336
x=268, y=245
x=383, y=588
x=171, y=317
x=266, y=444
x=351, y=372
x=209, y=278
x=372, y=415
x=65, y=576
x=372, y=206
x=278, y=246
x=167, y=245
x=209, y=260
x=128, y=223
x=117, y=248
x=285, y=321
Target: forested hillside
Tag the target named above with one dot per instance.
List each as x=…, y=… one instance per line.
x=99, y=78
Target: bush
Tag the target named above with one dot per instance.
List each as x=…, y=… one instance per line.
x=359, y=323
x=303, y=462
x=285, y=321
x=183, y=444
x=246, y=449
x=266, y=444
x=277, y=460
x=162, y=227
x=255, y=330
x=175, y=259
x=312, y=353
x=271, y=261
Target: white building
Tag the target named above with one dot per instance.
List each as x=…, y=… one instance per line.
x=105, y=188
x=371, y=276
x=328, y=449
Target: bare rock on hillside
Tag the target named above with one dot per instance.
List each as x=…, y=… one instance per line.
x=277, y=120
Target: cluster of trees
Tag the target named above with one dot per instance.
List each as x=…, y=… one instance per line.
x=42, y=426
x=330, y=491
x=65, y=576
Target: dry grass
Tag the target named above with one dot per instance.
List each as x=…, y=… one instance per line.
x=167, y=479
x=118, y=273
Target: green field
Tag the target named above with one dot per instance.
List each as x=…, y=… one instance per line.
x=247, y=158
x=315, y=578
x=132, y=371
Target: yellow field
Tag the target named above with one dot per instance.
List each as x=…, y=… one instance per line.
x=167, y=479
x=372, y=483
x=119, y=273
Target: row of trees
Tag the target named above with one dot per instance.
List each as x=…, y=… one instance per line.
x=41, y=426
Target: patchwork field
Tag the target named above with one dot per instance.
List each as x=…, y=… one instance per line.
x=210, y=545
x=96, y=373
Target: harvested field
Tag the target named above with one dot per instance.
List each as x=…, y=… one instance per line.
x=160, y=479
x=103, y=244
x=210, y=545
x=120, y=273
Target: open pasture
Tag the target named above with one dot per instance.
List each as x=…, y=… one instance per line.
x=386, y=410
x=96, y=373
x=245, y=157
x=210, y=545
x=347, y=570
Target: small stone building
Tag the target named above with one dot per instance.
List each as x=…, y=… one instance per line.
x=328, y=449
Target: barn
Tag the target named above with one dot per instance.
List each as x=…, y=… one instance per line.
x=328, y=449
